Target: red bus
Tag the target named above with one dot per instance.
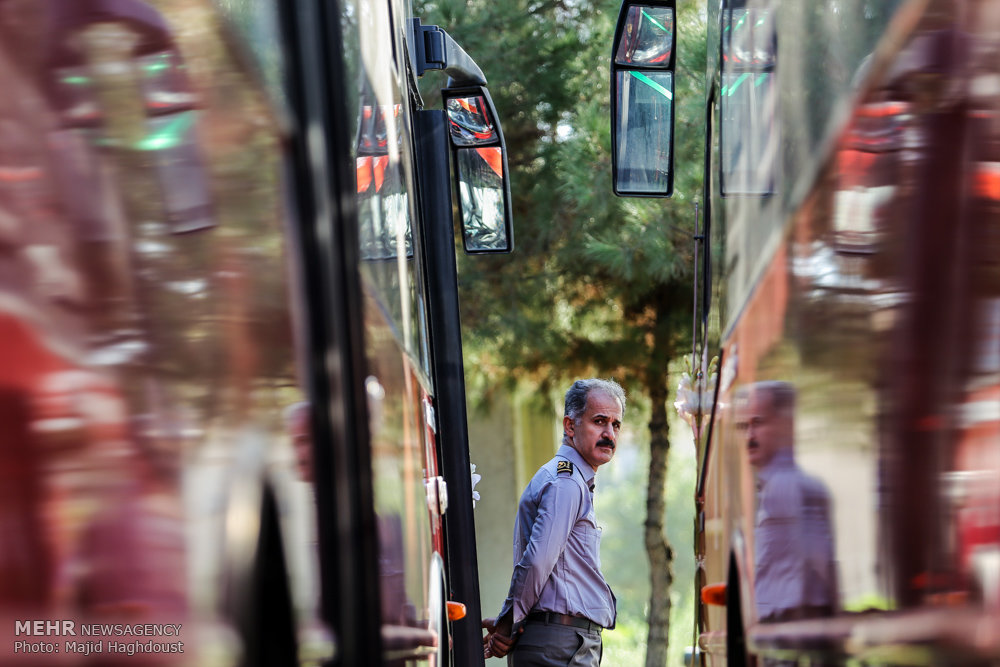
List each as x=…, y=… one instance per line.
x=849, y=295
x=231, y=393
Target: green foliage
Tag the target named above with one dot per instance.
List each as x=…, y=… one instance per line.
x=593, y=275
x=626, y=644
x=620, y=510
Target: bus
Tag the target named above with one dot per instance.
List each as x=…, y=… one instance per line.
x=232, y=411
x=848, y=299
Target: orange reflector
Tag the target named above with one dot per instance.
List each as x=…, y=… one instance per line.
x=881, y=110
x=364, y=173
x=493, y=156
x=456, y=611
x=986, y=181
x=714, y=594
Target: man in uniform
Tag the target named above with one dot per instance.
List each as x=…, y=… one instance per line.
x=558, y=601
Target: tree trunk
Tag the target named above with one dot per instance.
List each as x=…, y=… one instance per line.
x=657, y=548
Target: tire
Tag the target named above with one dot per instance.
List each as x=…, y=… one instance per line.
x=269, y=629
x=736, y=646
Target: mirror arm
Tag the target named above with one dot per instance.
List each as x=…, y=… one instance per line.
x=435, y=49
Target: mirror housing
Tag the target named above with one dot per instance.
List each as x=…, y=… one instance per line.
x=642, y=99
x=479, y=157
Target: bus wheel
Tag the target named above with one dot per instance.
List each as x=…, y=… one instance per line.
x=269, y=628
x=736, y=645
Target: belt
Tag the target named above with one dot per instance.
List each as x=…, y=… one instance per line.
x=565, y=619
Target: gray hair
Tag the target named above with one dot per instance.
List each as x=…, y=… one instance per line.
x=576, y=396
x=782, y=395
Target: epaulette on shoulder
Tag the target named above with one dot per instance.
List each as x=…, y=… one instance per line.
x=564, y=466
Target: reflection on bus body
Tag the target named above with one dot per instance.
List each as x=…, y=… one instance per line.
x=795, y=568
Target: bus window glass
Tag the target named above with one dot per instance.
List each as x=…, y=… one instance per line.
x=748, y=136
x=748, y=102
x=391, y=266
x=403, y=456
x=748, y=38
x=383, y=204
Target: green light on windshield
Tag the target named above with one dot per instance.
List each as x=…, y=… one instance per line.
x=76, y=80
x=653, y=84
x=168, y=136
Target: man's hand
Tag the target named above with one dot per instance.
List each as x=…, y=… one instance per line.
x=498, y=640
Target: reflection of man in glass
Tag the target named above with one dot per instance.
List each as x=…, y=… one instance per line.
x=795, y=570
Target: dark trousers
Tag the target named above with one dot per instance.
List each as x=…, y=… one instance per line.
x=551, y=645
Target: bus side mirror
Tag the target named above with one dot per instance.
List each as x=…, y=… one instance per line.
x=642, y=99
x=479, y=156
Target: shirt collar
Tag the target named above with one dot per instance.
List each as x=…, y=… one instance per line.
x=569, y=452
x=783, y=458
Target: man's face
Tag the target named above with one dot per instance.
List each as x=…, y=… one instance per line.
x=760, y=428
x=595, y=434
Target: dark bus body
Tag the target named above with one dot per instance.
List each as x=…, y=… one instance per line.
x=851, y=187
x=232, y=426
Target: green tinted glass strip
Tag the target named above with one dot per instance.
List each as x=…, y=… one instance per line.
x=653, y=84
x=736, y=84
x=649, y=17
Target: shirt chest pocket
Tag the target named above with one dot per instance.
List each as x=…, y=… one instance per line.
x=589, y=534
